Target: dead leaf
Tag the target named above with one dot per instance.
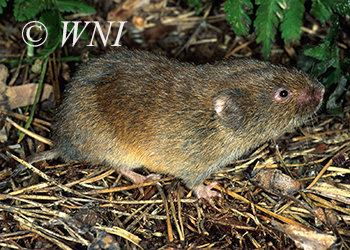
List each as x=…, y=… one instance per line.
x=66, y=71
x=306, y=239
x=36, y=68
x=24, y=95
x=126, y=10
x=19, y=96
x=4, y=73
x=104, y=240
x=273, y=179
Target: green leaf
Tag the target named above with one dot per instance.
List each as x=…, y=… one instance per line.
x=196, y=3
x=266, y=23
x=75, y=7
x=333, y=33
x=344, y=64
x=52, y=20
x=25, y=10
x=3, y=4
x=328, y=49
x=327, y=53
x=292, y=20
x=321, y=52
x=322, y=9
x=237, y=15
x=342, y=7
x=48, y=50
x=336, y=112
x=332, y=77
x=320, y=67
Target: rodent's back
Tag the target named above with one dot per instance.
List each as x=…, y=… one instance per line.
x=134, y=109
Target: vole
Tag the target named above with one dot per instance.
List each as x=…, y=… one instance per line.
x=130, y=109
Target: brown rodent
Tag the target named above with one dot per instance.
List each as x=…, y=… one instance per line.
x=131, y=109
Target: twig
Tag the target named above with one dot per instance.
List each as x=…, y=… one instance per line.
x=168, y=222
x=26, y=131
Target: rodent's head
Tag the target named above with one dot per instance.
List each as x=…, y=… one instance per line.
x=269, y=99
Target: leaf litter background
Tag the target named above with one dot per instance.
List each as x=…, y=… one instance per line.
x=76, y=206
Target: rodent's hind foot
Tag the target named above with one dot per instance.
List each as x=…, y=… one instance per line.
x=137, y=178
x=205, y=192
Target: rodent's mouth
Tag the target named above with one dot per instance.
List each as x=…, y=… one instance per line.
x=299, y=121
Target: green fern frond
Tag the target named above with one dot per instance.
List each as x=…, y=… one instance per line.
x=74, y=6
x=322, y=9
x=327, y=54
x=327, y=49
x=323, y=51
x=3, y=4
x=292, y=20
x=238, y=16
x=266, y=23
x=25, y=10
x=51, y=19
x=332, y=77
x=342, y=7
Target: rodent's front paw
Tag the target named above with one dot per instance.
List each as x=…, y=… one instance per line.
x=205, y=192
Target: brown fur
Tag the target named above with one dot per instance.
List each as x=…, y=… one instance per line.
x=133, y=109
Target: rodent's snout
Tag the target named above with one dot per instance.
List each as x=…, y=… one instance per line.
x=310, y=99
x=318, y=93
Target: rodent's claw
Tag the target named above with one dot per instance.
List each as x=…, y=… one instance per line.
x=152, y=177
x=205, y=192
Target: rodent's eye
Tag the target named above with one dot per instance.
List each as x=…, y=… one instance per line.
x=283, y=93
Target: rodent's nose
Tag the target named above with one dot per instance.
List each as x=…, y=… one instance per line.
x=311, y=98
x=319, y=93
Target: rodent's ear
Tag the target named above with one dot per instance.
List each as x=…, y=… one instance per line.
x=228, y=110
